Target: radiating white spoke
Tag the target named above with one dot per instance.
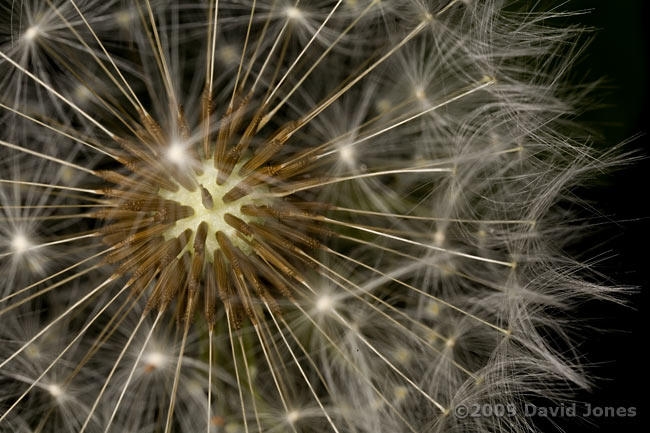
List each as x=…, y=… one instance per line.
x=58, y=319
x=302, y=372
x=485, y=82
x=353, y=365
x=213, y=45
x=249, y=379
x=87, y=259
x=360, y=176
x=210, y=344
x=133, y=98
x=111, y=373
x=275, y=109
x=74, y=340
x=234, y=363
x=47, y=185
x=302, y=52
x=412, y=242
x=323, y=105
x=390, y=364
x=161, y=53
x=47, y=157
x=58, y=131
x=48, y=244
x=57, y=94
x=243, y=53
x=132, y=372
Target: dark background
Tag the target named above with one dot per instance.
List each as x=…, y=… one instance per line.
x=619, y=357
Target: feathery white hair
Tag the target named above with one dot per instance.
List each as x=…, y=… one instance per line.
x=275, y=215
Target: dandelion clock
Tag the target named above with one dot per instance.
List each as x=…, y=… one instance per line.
x=286, y=216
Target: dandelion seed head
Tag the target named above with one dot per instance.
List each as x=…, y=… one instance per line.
x=213, y=216
x=337, y=192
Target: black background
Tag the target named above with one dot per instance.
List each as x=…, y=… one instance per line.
x=619, y=357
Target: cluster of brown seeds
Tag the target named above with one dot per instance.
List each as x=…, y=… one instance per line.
x=259, y=258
